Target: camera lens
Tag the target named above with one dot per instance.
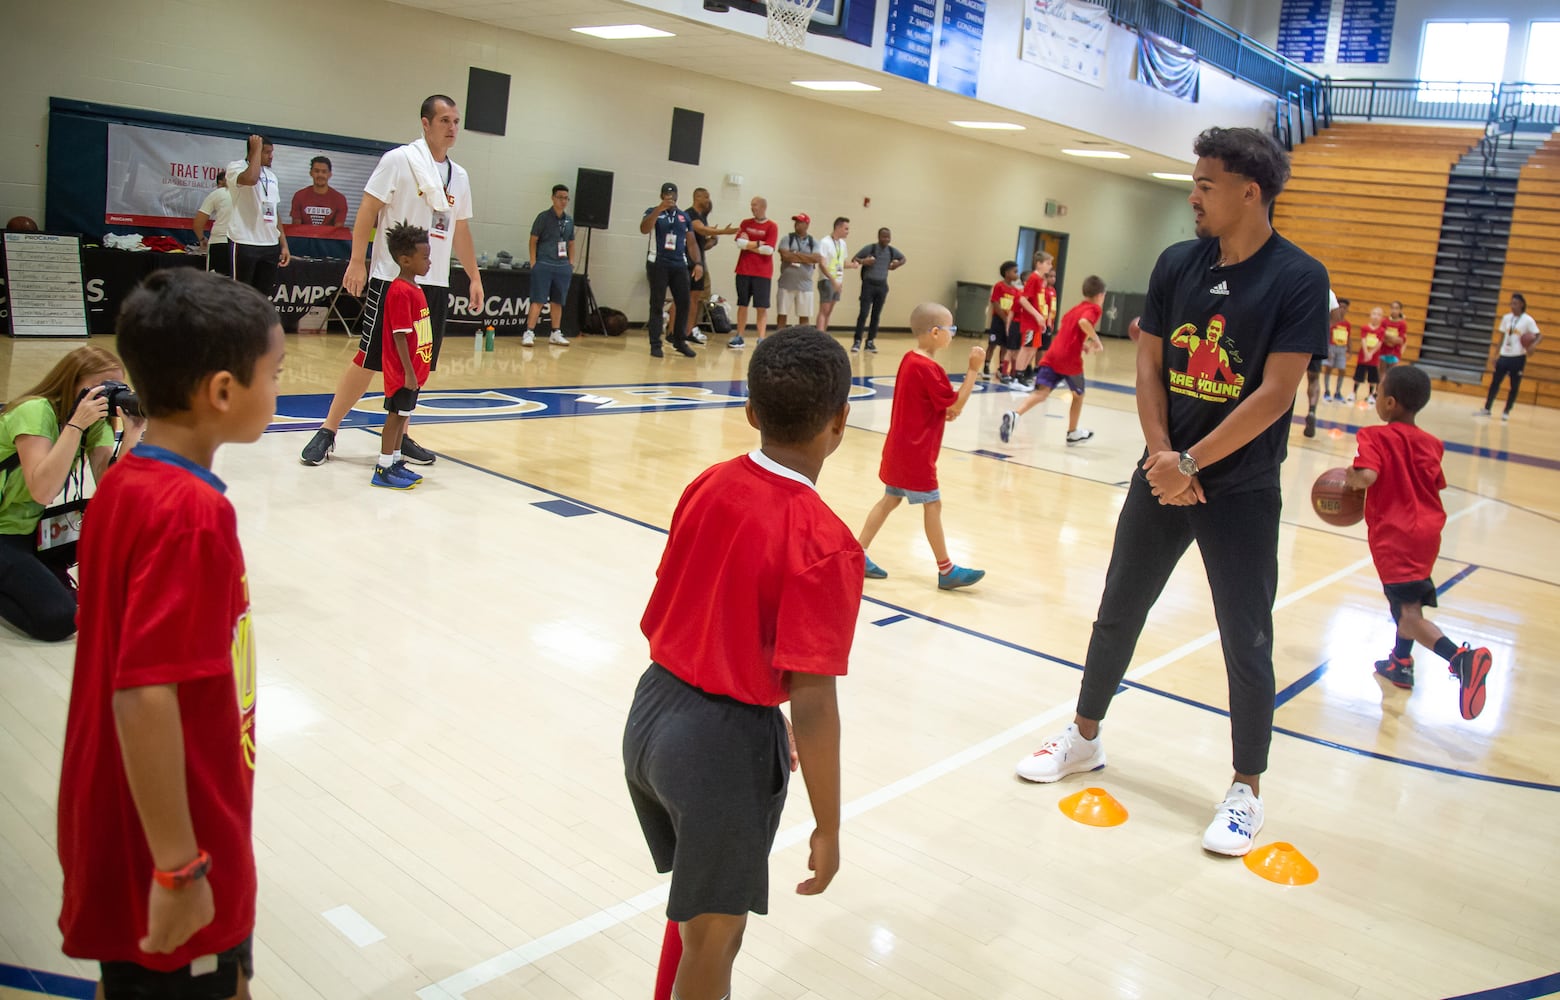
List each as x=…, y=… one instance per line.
x=125, y=402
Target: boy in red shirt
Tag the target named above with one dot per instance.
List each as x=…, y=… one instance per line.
x=408, y=351
x=924, y=402
x=1395, y=339
x=157, y=781
x=1399, y=467
x=756, y=240
x=1031, y=319
x=1063, y=362
x=1049, y=333
x=1337, y=362
x=1367, y=365
x=1002, y=336
x=755, y=603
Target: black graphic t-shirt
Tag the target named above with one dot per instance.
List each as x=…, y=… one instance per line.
x=1219, y=324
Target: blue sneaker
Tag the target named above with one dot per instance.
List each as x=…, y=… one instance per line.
x=736, y=341
x=959, y=577
x=404, y=471
x=874, y=571
x=389, y=479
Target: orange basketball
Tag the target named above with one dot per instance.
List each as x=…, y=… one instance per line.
x=1528, y=340
x=1334, y=502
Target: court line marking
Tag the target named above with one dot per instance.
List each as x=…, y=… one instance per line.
x=353, y=925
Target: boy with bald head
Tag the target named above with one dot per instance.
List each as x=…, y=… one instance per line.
x=924, y=401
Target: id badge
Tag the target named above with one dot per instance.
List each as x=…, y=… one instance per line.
x=439, y=229
x=671, y=241
x=268, y=212
x=563, y=249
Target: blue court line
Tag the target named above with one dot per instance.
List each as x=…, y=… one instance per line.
x=563, y=508
x=1543, y=986
x=892, y=620
x=50, y=984
x=1315, y=675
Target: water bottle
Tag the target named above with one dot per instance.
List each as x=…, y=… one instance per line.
x=487, y=340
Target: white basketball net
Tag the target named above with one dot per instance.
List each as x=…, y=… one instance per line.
x=788, y=20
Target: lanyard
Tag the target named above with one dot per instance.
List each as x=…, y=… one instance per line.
x=449, y=175
x=265, y=191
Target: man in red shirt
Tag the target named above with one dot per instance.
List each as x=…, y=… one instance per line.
x=756, y=238
x=1399, y=467
x=1032, y=305
x=157, y=781
x=755, y=603
x=321, y=206
x=1063, y=362
x=924, y=402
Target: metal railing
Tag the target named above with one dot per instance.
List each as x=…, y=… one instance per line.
x=1444, y=101
x=1216, y=43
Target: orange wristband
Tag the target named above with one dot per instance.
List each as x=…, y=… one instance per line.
x=191, y=872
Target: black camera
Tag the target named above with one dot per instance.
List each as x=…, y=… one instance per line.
x=120, y=399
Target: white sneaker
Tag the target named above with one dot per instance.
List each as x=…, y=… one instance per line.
x=558, y=338
x=1078, y=436
x=1481, y=412
x=697, y=337
x=1236, y=823
x=1062, y=755
x=1505, y=415
x=1372, y=400
x=528, y=338
x=1351, y=397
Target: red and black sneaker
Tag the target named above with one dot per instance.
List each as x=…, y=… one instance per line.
x=1472, y=667
x=1399, y=671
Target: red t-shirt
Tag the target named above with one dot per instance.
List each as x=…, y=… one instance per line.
x=1065, y=355
x=760, y=579
x=751, y=262
x=922, y=396
x=1395, y=328
x=1048, y=309
x=311, y=209
x=164, y=599
x=406, y=311
x=1370, y=344
x=1004, y=298
x=1340, y=333
x=1034, y=292
x=1403, y=512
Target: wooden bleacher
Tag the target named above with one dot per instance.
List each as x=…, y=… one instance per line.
x=1533, y=268
x=1366, y=200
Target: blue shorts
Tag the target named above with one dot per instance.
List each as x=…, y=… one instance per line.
x=1047, y=376
x=914, y=496
x=1388, y=359
x=550, y=283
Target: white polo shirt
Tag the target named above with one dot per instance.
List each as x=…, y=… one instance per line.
x=395, y=183
x=218, y=207
x=254, y=219
x=1512, y=327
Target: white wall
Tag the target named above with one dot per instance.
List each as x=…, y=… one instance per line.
x=1259, y=19
x=954, y=204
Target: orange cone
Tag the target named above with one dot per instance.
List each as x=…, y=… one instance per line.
x=1281, y=863
x=1335, y=433
x=1093, y=807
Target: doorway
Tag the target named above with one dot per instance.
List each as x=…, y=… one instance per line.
x=1053, y=243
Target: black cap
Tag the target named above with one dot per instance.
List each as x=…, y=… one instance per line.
x=668, y=188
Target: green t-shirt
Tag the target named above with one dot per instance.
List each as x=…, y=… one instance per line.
x=19, y=512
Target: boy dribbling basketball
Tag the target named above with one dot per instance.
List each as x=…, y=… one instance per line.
x=1399, y=467
x=755, y=603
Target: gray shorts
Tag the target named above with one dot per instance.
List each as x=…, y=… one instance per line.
x=914, y=496
x=827, y=292
x=1337, y=357
x=707, y=776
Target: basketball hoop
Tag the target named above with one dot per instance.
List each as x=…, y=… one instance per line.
x=788, y=20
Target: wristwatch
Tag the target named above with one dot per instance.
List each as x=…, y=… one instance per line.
x=1188, y=465
x=192, y=872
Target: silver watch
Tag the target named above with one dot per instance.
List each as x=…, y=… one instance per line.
x=1188, y=465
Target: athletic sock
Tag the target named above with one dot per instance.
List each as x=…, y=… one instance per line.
x=945, y=567
x=397, y=456
x=385, y=461
x=671, y=955
x=1446, y=648
x=1404, y=649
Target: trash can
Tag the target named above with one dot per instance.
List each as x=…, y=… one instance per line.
x=1118, y=312
x=969, y=307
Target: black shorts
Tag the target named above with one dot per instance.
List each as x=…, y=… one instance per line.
x=219, y=258
x=753, y=291
x=707, y=776
x=1364, y=373
x=701, y=283
x=371, y=332
x=403, y=400
x=1014, y=340
x=128, y=981
x=1315, y=367
x=1420, y=592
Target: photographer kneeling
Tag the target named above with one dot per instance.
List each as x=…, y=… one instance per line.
x=43, y=435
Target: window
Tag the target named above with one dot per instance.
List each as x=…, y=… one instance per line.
x=1469, y=53
x=1542, y=65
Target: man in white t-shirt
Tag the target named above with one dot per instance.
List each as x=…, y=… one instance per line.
x=799, y=259
x=831, y=272
x=1515, y=325
x=416, y=183
x=254, y=230
x=216, y=209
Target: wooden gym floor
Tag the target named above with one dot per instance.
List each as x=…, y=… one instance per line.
x=440, y=804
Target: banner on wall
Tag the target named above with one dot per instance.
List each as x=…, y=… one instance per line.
x=1166, y=66
x=1068, y=37
x=157, y=178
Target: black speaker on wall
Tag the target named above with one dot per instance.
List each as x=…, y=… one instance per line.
x=593, y=198
x=487, y=101
x=687, y=136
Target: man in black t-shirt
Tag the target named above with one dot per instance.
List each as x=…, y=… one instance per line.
x=1231, y=321
x=698, y=288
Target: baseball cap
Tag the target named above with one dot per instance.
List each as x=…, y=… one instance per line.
x=668, y=188
x=801, y=217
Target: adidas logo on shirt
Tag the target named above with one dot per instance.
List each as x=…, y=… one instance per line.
x=1222, y=288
